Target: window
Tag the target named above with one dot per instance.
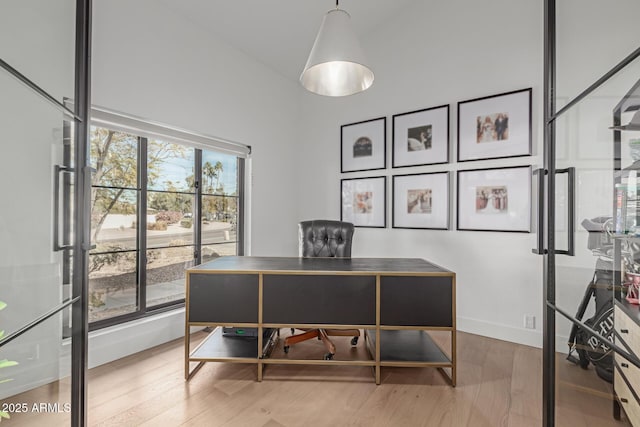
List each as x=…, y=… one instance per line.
x=114, y=211
x=158, y=207
x=219, y=205
x=170, y=237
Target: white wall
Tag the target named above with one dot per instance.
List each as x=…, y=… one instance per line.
x=436, y=53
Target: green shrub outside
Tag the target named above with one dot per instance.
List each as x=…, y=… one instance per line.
x=158, y=226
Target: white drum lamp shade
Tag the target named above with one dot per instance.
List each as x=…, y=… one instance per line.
x=336, y=63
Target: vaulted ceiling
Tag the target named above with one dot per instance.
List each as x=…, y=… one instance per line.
x=279, y=33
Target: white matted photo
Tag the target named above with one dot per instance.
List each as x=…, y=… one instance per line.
x=495, y=199
x=421, y=137
x=421, y=201
x=364, y=201
x=363, y=145
x=495, y=126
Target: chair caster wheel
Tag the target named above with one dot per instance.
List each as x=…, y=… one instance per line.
x=286, y=349
x=328, y=356
x=354, y=341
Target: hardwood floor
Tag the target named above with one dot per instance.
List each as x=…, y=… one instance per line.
x=499, y=384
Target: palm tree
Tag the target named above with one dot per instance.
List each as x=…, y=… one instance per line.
x=209, y=171
x=217, y=171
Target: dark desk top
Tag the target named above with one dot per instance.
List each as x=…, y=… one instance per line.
x=321, y=265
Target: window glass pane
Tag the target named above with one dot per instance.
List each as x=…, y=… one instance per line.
x=219, y=221
x=170, y=167
x=114, y=157
x=219, y=173
x=169, y=219
x=112, y=284
x=166, y=274
x=113, y=219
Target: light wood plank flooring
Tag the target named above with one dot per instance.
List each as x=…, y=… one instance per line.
x=499, y=384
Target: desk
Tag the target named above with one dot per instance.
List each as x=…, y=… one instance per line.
x=394, y=300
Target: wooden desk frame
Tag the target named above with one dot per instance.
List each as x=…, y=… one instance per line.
x=375, y=334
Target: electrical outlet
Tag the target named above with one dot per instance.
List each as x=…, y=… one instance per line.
x=529, y=321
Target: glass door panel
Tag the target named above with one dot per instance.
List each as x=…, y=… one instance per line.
x=31, y=279
x=37, y=63
x=36, y=387
x=585, y=282
x=37, y=38
x=592, y=38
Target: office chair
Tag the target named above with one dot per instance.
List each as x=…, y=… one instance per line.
x=324, y=238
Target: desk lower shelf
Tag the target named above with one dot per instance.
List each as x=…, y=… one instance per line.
x=237, y=349
x=398, y=348
x=408, y=347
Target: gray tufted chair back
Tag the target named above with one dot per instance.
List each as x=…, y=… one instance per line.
x=325, y=238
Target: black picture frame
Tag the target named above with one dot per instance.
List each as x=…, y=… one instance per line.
x=436, y=216
x=409, y=149
x=481, y=137
x=494, y=199
x=373, y=213
x=363, y=145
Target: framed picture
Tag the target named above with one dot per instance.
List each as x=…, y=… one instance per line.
x=495, y=126
x=363, y=145
x=421, y=137
x=364, y=201
x=496, y=199
x=421, y=201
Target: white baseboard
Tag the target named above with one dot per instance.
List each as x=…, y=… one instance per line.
x=530, y=337
x=116, y=342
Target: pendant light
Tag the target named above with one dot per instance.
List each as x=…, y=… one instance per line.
x=336, y=63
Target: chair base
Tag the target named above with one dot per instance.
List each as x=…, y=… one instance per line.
x=322, y=334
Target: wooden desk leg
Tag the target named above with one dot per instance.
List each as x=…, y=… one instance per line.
x=377, y=360
x=377, y=349
x=187, y=344
x=260, y=328
x=454, y=364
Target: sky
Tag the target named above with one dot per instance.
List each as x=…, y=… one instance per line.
x=177, y=169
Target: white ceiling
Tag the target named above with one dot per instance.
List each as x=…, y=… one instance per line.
x=279, y=33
